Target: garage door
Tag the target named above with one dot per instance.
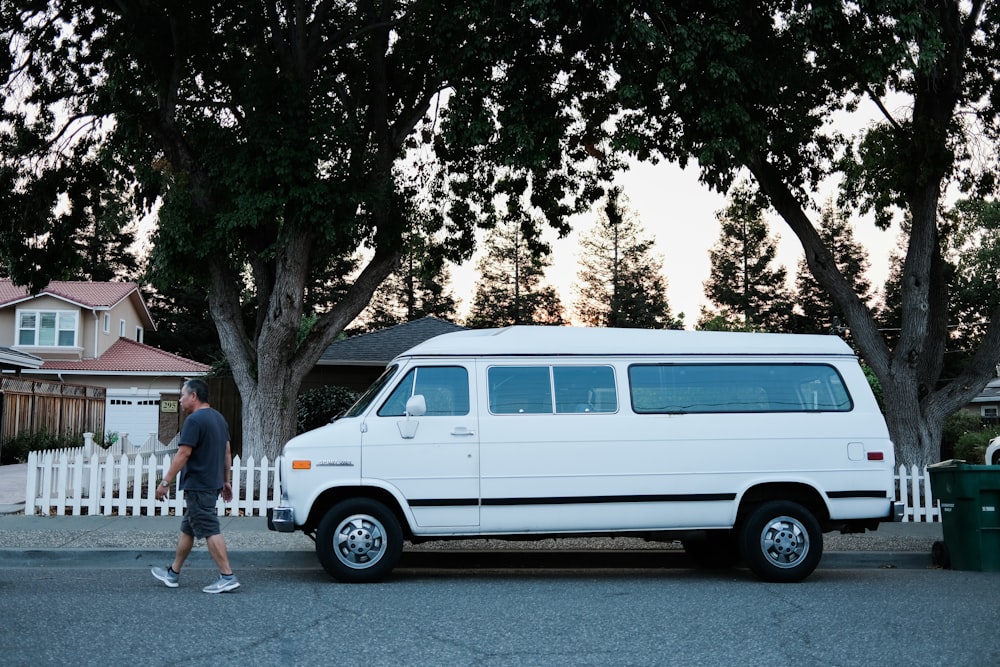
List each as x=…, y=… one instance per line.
x=135, y=414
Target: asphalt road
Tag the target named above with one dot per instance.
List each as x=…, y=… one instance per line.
x=115, y=613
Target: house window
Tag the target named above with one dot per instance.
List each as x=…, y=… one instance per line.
x=989, y=412
x=46, y=328
x=138, y=334
x=121, y=328
x=107, y=323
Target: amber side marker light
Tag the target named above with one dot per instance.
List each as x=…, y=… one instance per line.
x=301, y=465
x=872, y=456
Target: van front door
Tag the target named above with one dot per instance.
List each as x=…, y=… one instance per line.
x=431, y=458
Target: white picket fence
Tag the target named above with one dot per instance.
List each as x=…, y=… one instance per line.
x=124, y=445
x=68, y=482
x=914, y=491
x=124, y=485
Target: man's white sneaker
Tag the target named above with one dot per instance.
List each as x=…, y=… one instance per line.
x=222, y=584
x=166, y=575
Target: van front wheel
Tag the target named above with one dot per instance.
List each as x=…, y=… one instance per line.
x=359, y=541
x=781, y=541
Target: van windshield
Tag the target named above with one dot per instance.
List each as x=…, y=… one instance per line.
x=366, y=398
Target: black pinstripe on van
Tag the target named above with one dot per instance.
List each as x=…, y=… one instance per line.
x=572, y=500
x=594, y=500
x=861, y=493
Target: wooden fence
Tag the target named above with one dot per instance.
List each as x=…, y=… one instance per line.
x=38, y=405
x=72, y=482
x=126, y=485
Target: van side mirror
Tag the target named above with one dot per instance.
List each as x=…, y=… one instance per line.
x=416, y=406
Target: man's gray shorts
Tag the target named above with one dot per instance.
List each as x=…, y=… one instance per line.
x=200, y=518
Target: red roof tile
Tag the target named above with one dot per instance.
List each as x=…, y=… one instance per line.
x=85, y=293
x=127, y=355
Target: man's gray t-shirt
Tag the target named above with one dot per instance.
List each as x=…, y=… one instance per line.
x=205, y=431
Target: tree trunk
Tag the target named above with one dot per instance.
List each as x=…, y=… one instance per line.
x=915, y=433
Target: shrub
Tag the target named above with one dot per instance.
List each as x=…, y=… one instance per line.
x=15, y=450
x=317, y=407
x=971, y=446
x=955, y=427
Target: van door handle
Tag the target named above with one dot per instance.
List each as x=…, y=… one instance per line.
x=461, y=430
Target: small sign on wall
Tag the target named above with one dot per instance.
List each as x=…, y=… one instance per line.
x=168, y=406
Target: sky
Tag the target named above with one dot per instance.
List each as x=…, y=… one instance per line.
x=680, y=214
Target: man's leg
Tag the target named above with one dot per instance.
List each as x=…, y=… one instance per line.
x=185, y=543
x=217, y=548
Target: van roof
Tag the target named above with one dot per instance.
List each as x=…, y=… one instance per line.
x=556, y=341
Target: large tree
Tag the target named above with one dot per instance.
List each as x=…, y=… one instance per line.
x=745, y=282
x=620, y=282
x=276, y=139
x=761, y=86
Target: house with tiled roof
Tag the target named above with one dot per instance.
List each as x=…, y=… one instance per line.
x=91, y=333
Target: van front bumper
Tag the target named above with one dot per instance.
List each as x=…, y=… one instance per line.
x=898, y=509
x=281, y=519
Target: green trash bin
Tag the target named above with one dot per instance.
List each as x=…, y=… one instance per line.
x=970, y=520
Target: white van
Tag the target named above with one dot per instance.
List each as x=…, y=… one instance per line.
x=740, y=445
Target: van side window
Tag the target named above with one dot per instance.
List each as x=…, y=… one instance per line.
x=718, y=388
x=534, y=389
x=444, y=388
x=585, y=389
x=520, y=390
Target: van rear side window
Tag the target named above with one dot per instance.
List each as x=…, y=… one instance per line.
x=720, y=388
x=536, y=389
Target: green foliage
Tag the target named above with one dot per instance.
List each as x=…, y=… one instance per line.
x=761, y=87
x=16, y=449
x=875, y=384
x=955, y=427
x=971, y=446
x=275, y=141
x=725, y=320
x=317, y=407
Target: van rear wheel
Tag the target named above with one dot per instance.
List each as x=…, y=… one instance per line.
x=781, y=541
x=359, y=541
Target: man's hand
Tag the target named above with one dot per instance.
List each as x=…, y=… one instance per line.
x=162, y=491
x=227, y=491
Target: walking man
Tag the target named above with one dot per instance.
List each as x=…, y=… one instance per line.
x=202, y=468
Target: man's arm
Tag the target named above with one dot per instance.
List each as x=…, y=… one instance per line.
x=176, y=464
x=227, y=482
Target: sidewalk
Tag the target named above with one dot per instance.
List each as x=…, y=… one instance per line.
x=13, y=480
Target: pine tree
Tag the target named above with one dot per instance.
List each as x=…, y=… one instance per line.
x=417, y=288
x=817, y=312
x=743, y=281
x=510, y=287
x=621, y=282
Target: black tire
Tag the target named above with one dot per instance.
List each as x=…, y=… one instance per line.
x=359, y=541
x=781, y=541
x=716, y=551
